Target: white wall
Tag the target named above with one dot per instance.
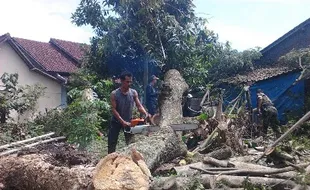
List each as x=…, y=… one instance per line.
x=11, y=62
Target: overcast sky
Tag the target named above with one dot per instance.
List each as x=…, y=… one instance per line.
x=245, y=23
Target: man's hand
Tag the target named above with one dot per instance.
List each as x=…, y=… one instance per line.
x=126, y=124
x=147, y=116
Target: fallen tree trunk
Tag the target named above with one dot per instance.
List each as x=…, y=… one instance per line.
x=165, y=144
x=115, y=171
x=245, y=172
x=32, y=172
x=238, y=181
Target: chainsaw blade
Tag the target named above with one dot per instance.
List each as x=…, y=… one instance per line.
x=183, y=127
x=143, y=129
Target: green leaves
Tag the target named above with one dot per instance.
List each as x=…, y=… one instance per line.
x=85, y=114
x=18, y=98
x=167, y=31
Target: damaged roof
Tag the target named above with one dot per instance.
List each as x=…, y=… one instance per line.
x=259, y=74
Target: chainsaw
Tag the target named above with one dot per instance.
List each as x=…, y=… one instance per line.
x=146, y=126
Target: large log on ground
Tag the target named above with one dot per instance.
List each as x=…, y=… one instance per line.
x=33, y=172
x=118, y=172
x=165, y=144
x=113, y=172
x=238, y=181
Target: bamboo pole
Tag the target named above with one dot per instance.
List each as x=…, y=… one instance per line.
x=8, y=152
x=297, y=124
x=25, y=141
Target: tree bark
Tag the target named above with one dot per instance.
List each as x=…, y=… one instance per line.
x=221, y=154
x=238, y=181
x=32, y=172
x=216, y=162
x=165, y=145
x=246, y=172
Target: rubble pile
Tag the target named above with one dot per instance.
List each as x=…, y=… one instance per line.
x=220, y=153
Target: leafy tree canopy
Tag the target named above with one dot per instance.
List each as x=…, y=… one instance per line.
x=167, y=31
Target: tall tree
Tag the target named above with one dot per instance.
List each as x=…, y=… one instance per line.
x=166, y=30
x=131, y=32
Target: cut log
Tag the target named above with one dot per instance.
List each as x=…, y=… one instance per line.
x=245, y=172
x=216, y=162
x=114, y=171
x=118, y=172
x=221, y=154
x=32, y=172
x=165, y=145
x=238, y=181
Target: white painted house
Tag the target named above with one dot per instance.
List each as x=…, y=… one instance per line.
x=47, y=63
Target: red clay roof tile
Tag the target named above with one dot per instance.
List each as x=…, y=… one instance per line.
x=76, y=50
x=47, y=55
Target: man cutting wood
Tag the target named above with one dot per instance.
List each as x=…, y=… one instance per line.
x=122, y=102
x=268, y=111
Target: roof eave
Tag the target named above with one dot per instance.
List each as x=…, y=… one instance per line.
x=285, y=36
x=255, y=81
x=25, y=57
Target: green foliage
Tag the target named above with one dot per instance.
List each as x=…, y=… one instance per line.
x=292, y=58
x=203, y=117
x=231, y=62
x=85, y=115
x=167, y=31
x=79, y=122
x=17, y=98
x=84, y=79
x=298, y=59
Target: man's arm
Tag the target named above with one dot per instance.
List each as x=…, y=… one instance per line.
x=115, y=113
x=139, y=105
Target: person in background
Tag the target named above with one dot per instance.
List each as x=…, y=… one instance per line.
x=269, y=113
x=151, y=95
x=116, y=82
x=122, y=102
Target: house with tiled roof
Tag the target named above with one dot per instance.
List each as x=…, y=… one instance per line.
x=279, y=82
x=47, y=63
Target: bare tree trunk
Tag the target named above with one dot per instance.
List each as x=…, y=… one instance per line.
x=165, y=145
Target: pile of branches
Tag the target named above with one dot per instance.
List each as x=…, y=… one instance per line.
x=221, y=155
